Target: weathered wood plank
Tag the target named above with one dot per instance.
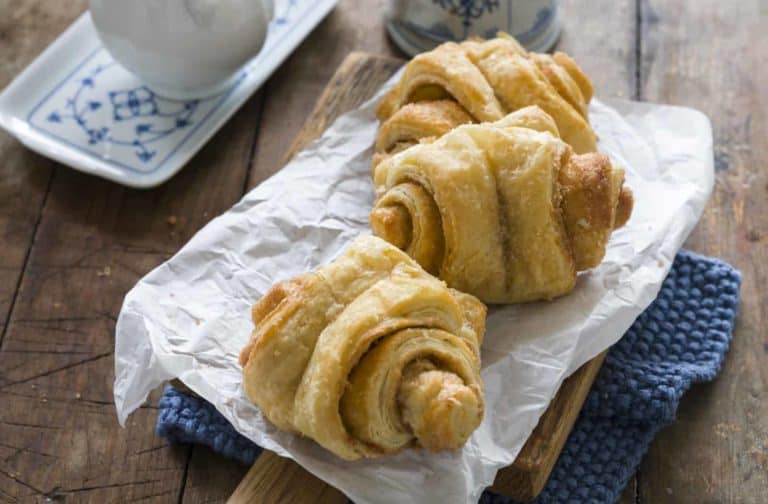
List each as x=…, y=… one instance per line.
x=94, y=241
x=273, y=479
x=211, y=477
x=357, y=79
x=710, y=55
x=601, y=36
x=26, y=28
x=294, y=88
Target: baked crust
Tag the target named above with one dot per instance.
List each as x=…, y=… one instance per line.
x=505, y=211
x=369, y=355
x=486, y=79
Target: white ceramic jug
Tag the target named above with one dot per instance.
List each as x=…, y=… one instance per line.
x=183, y=48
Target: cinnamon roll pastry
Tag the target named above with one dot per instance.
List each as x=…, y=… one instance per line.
x=483, y=80
x=368, y=355
x=504, y=211
x=420, y=122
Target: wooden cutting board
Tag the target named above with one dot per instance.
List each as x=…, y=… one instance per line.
x=276, y=479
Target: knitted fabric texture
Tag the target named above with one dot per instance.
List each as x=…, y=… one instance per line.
x=680, y=339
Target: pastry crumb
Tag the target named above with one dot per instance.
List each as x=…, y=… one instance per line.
x=725, y=429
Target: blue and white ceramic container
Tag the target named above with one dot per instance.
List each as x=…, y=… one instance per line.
x=420, y=25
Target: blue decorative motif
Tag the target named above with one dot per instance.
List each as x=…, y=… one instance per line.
x=127, y=105
x=468, y=9
x=534, y=23
x=283, y=17
x=543, y=20
x=133, y=103
x=102, y=110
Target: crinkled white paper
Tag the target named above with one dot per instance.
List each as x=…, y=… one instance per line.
x=190, y=317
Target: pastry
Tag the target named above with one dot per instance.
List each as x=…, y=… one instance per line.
x=504, y=211
x=368, y=355
x=418, y=123
x=483, y=80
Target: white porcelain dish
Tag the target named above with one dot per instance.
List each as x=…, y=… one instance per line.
x=74, y=104
x=183, y=49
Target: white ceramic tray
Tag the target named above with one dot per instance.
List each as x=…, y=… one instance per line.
x=76, y=105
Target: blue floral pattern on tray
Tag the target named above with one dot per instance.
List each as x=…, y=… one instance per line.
x=103, y=110
x=139, y=117
x=132, y=127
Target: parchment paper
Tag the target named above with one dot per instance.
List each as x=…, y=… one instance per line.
x=190, y=317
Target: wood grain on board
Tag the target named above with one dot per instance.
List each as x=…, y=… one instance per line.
x=525, y=479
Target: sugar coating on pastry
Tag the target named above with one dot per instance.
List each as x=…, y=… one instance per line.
x=485, y=80
x=368, y=355
x=505, y=211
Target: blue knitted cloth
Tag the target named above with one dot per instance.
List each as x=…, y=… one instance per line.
x=679, y=340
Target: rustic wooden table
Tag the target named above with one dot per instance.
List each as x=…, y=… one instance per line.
x=72, y=245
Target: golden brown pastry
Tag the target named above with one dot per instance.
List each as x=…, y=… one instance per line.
x=418, y=123
x=483, y=80
x=368, y=355
x=503, y=210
